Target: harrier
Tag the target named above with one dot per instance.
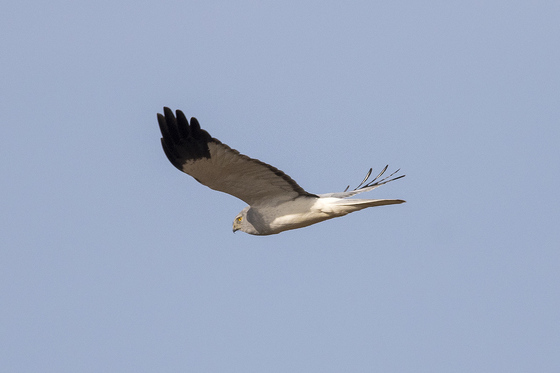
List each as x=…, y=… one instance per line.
x=276, y=202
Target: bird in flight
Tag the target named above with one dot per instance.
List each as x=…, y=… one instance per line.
x=276, y=202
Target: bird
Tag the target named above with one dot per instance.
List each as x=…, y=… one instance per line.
x=276, y=203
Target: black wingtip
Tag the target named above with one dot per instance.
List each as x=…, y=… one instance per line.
x=182, y=141
x=167, y=111
x=195, y=126
x=376, y=180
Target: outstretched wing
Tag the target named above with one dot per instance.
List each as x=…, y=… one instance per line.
x=216, y=165
x=366, y=187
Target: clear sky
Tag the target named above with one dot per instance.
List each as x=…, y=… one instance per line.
x=111, y=260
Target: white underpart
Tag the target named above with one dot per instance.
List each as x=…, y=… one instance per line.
x=302, y=212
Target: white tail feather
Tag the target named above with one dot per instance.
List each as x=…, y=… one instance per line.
x=363, y=203
x=343, y=206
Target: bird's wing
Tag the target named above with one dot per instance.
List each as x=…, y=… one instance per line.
x=216, y=165
x=365, y=187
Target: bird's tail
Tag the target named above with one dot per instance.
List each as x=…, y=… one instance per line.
x=345, y=206
x=363, y=203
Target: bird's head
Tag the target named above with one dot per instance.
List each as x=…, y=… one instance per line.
x=242, y=223
x=238, y=221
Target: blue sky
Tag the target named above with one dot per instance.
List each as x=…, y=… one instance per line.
x=112, y=260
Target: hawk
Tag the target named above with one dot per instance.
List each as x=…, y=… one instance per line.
x=276, y=202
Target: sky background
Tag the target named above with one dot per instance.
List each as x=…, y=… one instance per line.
x=113, y=261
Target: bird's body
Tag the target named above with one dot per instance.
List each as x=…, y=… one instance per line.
x=304, y=211
x=276, y=202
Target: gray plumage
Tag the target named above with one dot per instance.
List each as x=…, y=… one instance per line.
x=276, y=202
